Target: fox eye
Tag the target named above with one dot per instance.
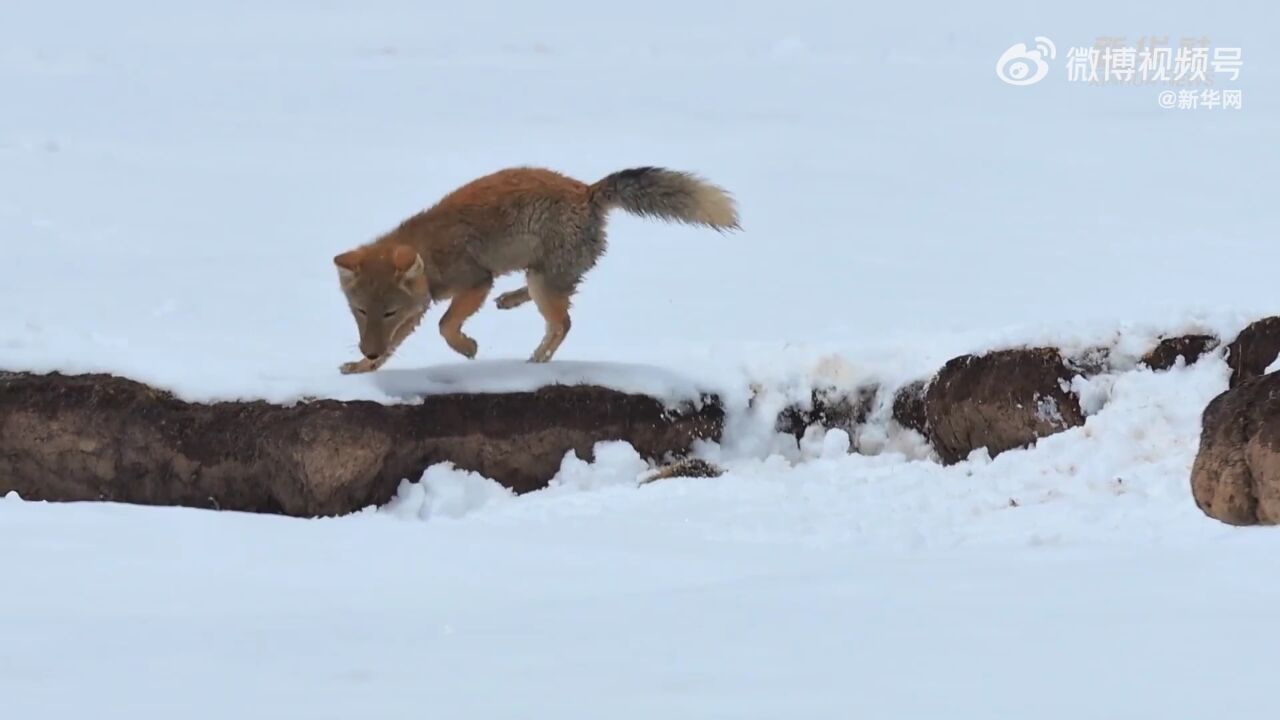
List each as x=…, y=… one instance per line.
x=389, y=313
x=360, y=311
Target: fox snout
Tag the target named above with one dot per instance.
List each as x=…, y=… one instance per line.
x=372, y=346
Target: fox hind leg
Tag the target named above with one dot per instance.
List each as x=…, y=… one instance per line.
x=465, y=304
x=513, y=299
x=552, y=300
x=566, y=256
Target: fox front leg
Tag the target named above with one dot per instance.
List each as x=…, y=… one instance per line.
x=363, y=365
x=465, y=304
x=513, y=299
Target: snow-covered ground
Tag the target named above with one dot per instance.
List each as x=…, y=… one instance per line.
x=176, y=177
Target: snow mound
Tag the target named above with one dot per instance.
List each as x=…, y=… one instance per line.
x=445, y=491
x=1122, y=477
x=510, y=376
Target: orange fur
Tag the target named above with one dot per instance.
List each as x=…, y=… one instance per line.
x=521, y=219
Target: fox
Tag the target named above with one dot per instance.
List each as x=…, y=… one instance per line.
x=533, y=220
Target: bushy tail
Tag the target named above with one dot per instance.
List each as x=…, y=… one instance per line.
x=669, y=195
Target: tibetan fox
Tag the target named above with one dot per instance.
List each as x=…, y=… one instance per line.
x=538, y=221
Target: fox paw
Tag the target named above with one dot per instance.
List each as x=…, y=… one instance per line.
x=358, y=366
x=465, y=346
x=513, y=299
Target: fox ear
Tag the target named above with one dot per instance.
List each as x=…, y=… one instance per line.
x=348, y=264
x=407, y=261
x=349, y=260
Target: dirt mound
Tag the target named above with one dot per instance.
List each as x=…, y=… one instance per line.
x=1253, y=350
x=1002, y=400
x=1236, y=475
x=100, y=437
x=1188, y=347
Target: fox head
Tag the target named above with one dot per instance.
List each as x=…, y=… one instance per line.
x=386, y=287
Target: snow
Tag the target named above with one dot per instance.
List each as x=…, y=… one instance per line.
x=1073, y=579
x=577, y=614
x=499, y=376
x=445, y=492
x=175, y=179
